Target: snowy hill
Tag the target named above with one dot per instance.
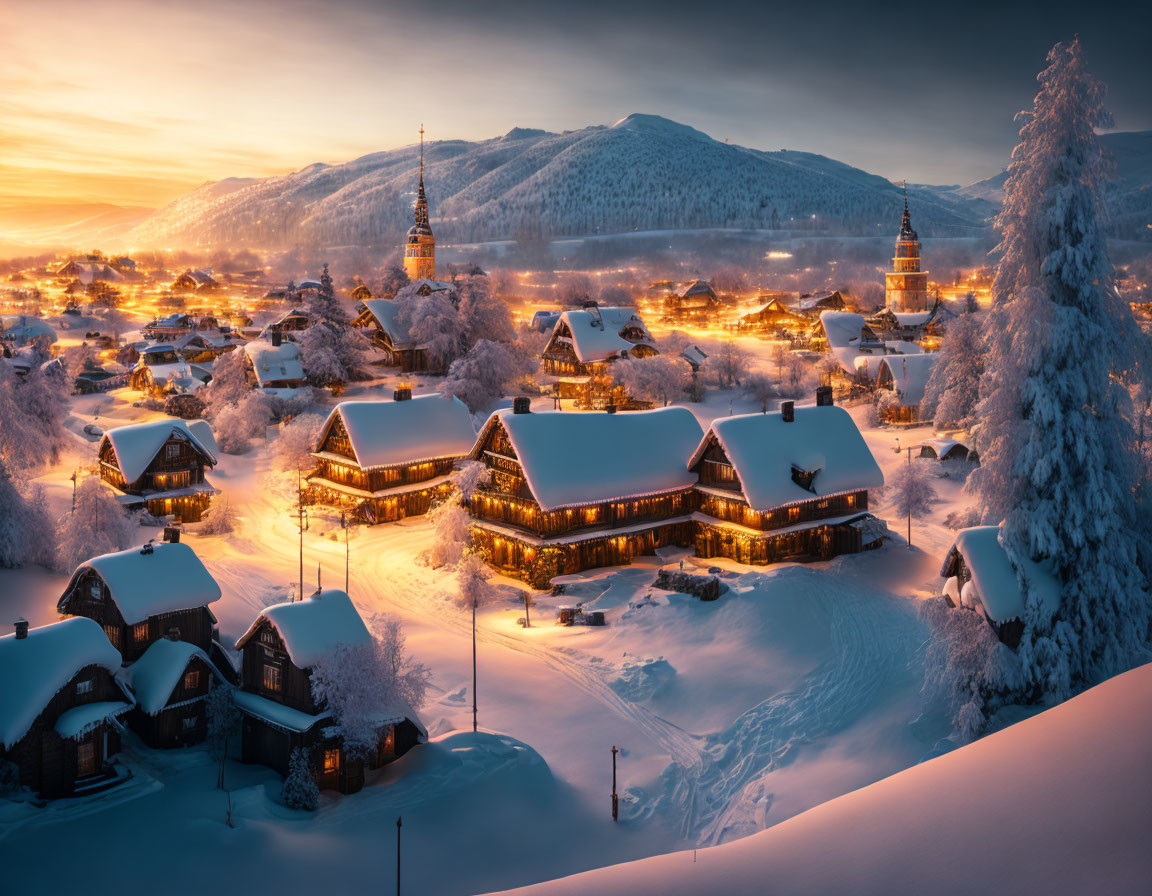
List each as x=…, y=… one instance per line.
x=1057, y=804
x=642, y=173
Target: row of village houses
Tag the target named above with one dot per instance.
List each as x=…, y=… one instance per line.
x=139, y=650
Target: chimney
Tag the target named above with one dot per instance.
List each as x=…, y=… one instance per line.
x=403, y=393
x=611, y=408
x=172, y=534
x=521, y=404
x=173, y=634
x=21, y=626
x=147, y=549
x=787, y=411
x=824, y=397
x=277, y=338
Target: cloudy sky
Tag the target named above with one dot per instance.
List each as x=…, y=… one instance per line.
x=135, y=102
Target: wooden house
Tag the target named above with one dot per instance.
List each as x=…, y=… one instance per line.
x=169, y=327
x=814, y=306
x=696, y=303
x=380, y=318
x=906, y=376
x=202, y=348
x=170, y=682
x=387, y=460
x=161, y=465
x=160, y=371
x=790, y=485
x=280, y=712
x=59, y=703
x=774, y=317
x=288, y=324
x=570, y=492
x=584, y=344
x=360, y=292
x=144, y=594
x=275, y=366
x=981, y=575
x=194, y=280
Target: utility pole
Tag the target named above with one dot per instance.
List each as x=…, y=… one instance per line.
x=347, y=557
x=74, y=490
x=615, y=798
x=302, y=524
x=398, y=823
x=475, y=600
x=527, y=618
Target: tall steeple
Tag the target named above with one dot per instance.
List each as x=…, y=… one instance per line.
x=420, y=247
x=906, y=286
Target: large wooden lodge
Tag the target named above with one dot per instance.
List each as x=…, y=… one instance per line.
x=160, y=465
x=569, y=492
x=279, y=710
x=387, y=460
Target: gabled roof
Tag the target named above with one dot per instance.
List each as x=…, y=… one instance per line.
x=137, y=444
x=33, y=670
x=156, y=674
x=389, y=433
x=386, y=313
x=573, y=459
x=909, y=375
x=593, y=342
x=994, y=574
x=168, y=578
x=763, y=449
x=314, y=627
x=272, y=363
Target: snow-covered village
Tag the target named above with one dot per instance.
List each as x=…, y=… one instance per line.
x=423, y=473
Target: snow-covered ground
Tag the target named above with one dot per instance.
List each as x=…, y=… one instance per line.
x=1057, y=804
x=800, y=684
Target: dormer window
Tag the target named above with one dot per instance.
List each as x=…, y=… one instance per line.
x=803, y=478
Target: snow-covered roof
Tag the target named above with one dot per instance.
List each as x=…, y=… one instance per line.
x=764, y=449
x=202, y=430
x=278, y=714
x=912, y=318
x=137, y=443
x=694, y=355
x=314, y=627
x=995, y=578
x=34, y=669
x=386, y=313
x=942, y=446
x=842, y=328
x=79, y=720
x=155, y=675
x=909, y=375
x=19, y=328
x=272, y=363
x=166, y=579
x=388, y=433
x=865, y=365
x=593, y=342
x=572, y=459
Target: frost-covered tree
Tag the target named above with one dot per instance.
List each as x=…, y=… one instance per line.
x=450, y=536
x=299, y=790
x=660, y=378
x=799, y=378
x=297, y=441
x=221, y=517
x=433, y=324
x=237, y=424
x=483, y=314
x=470, y=475
x=360, y=683
x=97, y=525
x=1057, y=457
x=728, y=363
x=332, y=351
x=221, y=715
x=25, y=530
x=954, y=385
x=485, y=373
x=32, y=414
x=762, y=389
x=912, y=492
x=229, y=384
x=473, y=592
x=394, y=279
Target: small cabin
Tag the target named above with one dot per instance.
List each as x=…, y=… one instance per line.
x=697, y=302
x=168, y=327
x=291, y=322
x=388, y=460
x=790, y=485
x=570, y=492
x=773, y=316
x=161, y=465
x=140, y=595
x=583, y=345
x=275, y=697
x=982, y=576
x=388, y=336
x=275, y=366
x=161, y=370
x=907, y=377
x=194, y=280
x=360, y=292
x=947, y=450
x=171, y=681
x=59, y=706
x=813, y=306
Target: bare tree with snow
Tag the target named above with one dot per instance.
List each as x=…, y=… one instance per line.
x=762, y=389
x=97, y=525
x=912, y=492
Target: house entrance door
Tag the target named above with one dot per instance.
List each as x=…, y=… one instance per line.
x=86, y=759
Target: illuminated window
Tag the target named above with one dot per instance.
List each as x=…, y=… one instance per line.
x=793, y=513
x=331, y=761
x=192, y=679
x=140, y=631
x=851, y=500
x=271, y=678
x=113, y=633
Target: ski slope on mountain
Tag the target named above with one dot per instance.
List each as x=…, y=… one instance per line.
x=1055, y=804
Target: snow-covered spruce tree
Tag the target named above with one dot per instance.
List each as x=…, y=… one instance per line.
x=97, y=526
x=954, y=386
x=299, y=790
x=25, y=531
x=1057, y=462
x=332, y=351
x=221, y=714
x=484, y=374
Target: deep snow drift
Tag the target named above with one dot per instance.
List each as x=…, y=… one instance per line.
x=1056, y=804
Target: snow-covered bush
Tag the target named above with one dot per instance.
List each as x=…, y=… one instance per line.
x=98, y=525
x=450, y=536
x=236, y=425
x=962, y=519
x=471, y=474
x=185, y=406
x=25, y=531
x=220, y=518
x=299, y=790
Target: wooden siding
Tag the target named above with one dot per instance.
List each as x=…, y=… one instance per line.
x=167, y=728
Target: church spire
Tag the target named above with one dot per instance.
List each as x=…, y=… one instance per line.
x=906, y=231
x=420, y=246
x=422, y=200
